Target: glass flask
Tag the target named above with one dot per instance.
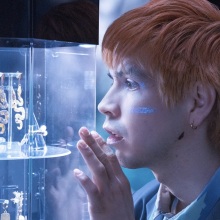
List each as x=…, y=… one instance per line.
x=47, y=92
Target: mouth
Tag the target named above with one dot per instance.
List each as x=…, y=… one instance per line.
x=114, y=137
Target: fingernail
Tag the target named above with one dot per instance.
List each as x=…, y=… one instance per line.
x=85, y=132
x=77, y=172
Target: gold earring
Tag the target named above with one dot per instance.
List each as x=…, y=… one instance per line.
x=193, y=126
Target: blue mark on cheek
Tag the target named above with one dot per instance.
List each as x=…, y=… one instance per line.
x=142, y=85
x=142, y=110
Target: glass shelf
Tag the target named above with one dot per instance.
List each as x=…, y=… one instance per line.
x=19, y=154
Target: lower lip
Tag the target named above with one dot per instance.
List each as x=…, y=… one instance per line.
x=112, y=140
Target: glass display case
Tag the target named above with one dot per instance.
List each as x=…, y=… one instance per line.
x=47, y=92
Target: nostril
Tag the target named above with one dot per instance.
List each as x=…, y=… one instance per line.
x=107, y=113
x=106, y=109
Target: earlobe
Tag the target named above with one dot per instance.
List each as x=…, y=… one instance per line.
x=204, y=97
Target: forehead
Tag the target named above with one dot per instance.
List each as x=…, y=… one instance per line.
x=129, y=68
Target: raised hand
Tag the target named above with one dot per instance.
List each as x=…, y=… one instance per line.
x=109, y=193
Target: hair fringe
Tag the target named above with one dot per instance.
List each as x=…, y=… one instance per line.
x=177, y=41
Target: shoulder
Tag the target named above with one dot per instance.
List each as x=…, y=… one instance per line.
x=144, y=199
x=215, y=212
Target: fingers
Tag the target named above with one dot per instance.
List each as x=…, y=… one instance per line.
x=97, y=168
x=88, y=185
x=104, y=154
x=103, y=164
x=97, y=158
x=95, y=142
x=116, y=167
x=109, y=188
x=101, y=142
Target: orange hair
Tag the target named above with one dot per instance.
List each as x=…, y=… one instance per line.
x=176, y=41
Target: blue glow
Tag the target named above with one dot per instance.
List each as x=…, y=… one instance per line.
x=142, y=85
x=143, y=110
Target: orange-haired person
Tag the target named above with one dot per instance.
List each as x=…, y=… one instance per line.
x=162, y=112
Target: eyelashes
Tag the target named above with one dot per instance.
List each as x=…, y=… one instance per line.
x=129, y=83
x=109, y=75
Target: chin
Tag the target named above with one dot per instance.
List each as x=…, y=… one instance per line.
x=127, y=162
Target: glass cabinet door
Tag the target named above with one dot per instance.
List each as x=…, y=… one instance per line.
x=47, y=93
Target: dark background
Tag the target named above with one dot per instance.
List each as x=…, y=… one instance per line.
x=19, y=18
x=216, y=2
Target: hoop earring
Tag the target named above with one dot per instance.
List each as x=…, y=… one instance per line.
x=193, y=126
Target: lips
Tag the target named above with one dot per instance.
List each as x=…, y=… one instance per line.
x=114, y=137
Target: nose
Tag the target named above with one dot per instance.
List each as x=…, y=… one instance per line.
x=110, y=105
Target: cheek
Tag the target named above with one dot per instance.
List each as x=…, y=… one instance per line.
x=141, y=106
x=140, y=112
x=146, y=122
x=140, y=121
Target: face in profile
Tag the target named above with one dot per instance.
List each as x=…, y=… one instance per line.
x=141, y=128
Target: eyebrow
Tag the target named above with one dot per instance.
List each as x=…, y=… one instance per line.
x=118, y=74
x=129, y=70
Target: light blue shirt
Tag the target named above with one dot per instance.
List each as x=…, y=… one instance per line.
x=205, y=207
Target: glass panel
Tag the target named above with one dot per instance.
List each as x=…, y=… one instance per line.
x=47, y=93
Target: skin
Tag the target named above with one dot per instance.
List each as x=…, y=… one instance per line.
x=139, y=129
x=161, y=140
x=109, y=188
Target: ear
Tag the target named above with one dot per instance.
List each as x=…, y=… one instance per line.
x=202, y=102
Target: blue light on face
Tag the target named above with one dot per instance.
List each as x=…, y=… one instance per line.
x=143, y=110
x=142, y=85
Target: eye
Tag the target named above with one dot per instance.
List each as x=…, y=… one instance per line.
x=131, y=85
x=110, y=76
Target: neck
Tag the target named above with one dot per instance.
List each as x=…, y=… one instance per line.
x=187, y=171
